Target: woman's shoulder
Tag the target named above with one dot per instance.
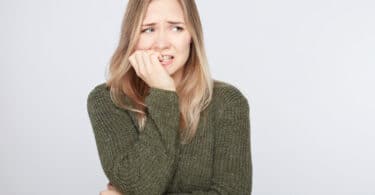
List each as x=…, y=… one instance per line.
x=101, y=87
x=227, y=92
x=99, y=92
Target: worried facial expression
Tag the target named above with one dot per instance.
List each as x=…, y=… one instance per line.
x=164, y=30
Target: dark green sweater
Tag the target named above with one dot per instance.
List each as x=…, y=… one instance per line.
x=217, y=161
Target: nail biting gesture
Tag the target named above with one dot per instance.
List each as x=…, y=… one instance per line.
x=146, y=64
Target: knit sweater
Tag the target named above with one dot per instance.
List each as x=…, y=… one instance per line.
x=154, y=162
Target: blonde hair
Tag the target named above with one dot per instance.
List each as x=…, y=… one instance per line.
x=195, y=88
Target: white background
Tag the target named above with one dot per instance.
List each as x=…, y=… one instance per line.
x=307, y=68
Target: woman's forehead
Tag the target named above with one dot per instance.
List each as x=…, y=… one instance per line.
x=164, y=10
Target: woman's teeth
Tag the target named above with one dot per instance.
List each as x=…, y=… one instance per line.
x=166, y=57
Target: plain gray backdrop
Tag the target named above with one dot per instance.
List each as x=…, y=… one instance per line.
x=306, y=67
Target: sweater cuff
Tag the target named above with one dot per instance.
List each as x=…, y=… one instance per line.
x=161, y=101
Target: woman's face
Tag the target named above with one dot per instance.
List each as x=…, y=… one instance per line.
x=164, y=30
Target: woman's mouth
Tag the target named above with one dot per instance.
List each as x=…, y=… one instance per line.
x=166, y=60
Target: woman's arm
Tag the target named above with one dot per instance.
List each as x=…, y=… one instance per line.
x=134, y=163
x=232, y=168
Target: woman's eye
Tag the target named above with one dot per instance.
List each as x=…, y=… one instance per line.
x=178, y=29
x=147, y=30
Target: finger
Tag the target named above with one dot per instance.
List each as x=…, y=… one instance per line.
x=111, y=187
x=105, y=192
x=133, y=63
x=155, y=60
x=140, y=63
x=109, y=192
x=147, y=62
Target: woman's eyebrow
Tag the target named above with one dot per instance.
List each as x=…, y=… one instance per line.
x=170, y=22
x=175, y=22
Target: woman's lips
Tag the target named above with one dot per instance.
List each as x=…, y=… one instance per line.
x=166, y=60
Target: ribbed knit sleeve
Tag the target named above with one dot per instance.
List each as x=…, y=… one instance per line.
x=232, y=166
x=136, y=163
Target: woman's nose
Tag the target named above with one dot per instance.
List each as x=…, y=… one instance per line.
x=161, y=40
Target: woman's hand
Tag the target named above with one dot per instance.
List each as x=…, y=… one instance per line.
x=111, y=190
x=147, y=66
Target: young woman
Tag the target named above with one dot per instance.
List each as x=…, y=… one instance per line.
x=162, y=125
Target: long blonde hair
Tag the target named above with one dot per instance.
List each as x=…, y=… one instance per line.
x=195, y=88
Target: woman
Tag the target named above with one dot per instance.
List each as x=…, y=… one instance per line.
x=162, y=125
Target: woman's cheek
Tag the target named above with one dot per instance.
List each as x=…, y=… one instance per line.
x=188, y=38
x=144, y=44
x=187, y=43
x=182, y=43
